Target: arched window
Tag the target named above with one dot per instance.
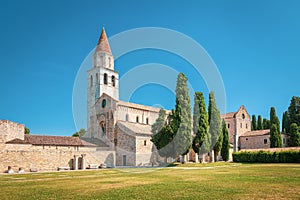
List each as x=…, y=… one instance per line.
x=137, y=119
x=243, y=116
x=91, y=81
x=228, y=125
x=105, y=78
x=97, y=79
x=127, y=117
x=113, y=81
x=147, y=120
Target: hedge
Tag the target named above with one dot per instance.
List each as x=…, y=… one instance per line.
x=291, y=156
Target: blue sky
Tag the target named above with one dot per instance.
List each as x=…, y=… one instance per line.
x=255, y=44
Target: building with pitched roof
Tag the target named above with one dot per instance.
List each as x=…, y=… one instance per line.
x=125, y=127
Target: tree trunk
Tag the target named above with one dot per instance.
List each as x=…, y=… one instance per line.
x=196, y=158
x=212, y=156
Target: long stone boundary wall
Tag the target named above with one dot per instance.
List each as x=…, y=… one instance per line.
x=50, y=158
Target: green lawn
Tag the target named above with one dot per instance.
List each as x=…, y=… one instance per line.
x=200, y=181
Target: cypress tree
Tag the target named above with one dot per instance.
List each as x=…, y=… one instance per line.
x=294, y=111
x=215, y=126
x=225, y=144
x=275, y=136
x=200, y=122
x=183, y=138
x=253, y=123
x=266, y=124
x=259, y=123
x=294, y=135
x=285, y=122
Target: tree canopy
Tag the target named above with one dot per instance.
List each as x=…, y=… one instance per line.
x=79, y=133
x=215, y=126
x=200, y=123
x=225, y=144
x=275, y=136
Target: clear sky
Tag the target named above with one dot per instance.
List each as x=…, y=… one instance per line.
x=255, y=45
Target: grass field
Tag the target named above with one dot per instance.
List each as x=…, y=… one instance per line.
x=200, y=181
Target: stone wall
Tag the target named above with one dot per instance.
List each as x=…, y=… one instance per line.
x=11, y=130
x=48, y=158
x=259, y=141
x=147, y=154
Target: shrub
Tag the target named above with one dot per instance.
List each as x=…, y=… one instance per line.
x=291, y=156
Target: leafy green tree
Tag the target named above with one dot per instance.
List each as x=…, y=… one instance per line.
x=294, y=135
x=80, y=133
x=175, y=138
x=200, y=123
x=162, y=134
x=215, y=126
x=266, y=124
x=159, y=123
x=183, y=139
x=225, y=144
x=275, y=136
x=26, y=131
x=253, y=123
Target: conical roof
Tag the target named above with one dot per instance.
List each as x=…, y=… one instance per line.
x=103, y=44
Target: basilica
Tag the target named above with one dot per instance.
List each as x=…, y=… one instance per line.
x=118, y=132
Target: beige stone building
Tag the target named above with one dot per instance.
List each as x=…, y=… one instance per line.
x=48, y=153
x=123, y=126
x=241, y=136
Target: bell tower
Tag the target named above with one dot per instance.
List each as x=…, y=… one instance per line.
x=102, y=78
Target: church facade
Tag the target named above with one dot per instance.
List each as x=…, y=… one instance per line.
x=123, y=126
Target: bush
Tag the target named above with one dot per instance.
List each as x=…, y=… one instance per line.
x=292, y=156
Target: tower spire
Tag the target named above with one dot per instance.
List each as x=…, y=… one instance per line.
x=103, y=44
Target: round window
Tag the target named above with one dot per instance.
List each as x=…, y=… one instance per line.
x=103, y=103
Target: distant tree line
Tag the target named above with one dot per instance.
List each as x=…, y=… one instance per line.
x=290, y=124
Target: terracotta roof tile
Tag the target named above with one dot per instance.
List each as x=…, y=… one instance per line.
x=134, y=128
x=256, y=133
x=103, y=44
x=51, y=140
x=228, y=115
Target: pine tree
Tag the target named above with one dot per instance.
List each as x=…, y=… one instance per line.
x=183, y=138
x=294, y=135
x=253, y=123
x=259, y=123
x=215, y=127
x=200, y=122
x=225, y=144
x=275, y=136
